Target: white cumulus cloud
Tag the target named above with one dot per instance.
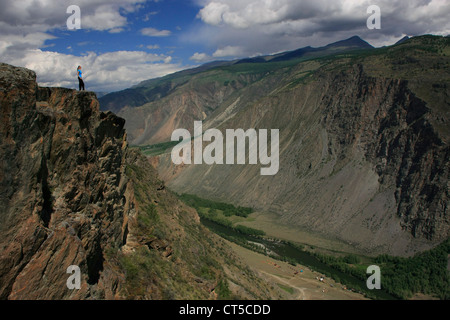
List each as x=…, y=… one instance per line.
x=152, y=32
x=25, y=27
x=200, y=57
x=106, y=72
x=276, y=25
x=228, y=51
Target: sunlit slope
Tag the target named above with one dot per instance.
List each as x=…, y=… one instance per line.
x=363, y=144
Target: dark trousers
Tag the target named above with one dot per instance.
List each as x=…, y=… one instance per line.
x=80, y=83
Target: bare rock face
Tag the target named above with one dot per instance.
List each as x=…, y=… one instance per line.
x=62, y=187
x=364, y=147
x=73, y=194
x=399, y=135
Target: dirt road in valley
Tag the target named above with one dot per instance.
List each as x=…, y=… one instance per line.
x=294, y=283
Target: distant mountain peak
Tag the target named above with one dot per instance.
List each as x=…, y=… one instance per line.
x=354, y=41
x=404, y=39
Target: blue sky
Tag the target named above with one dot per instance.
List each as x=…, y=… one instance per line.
x=124, y=42
x=170, y=17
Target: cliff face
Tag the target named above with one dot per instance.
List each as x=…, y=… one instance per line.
x=364, y=148
x=72, y=193
x=62, y=189
x=399, y=134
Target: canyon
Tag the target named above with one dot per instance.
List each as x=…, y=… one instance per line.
x=363, y=138
x=72, y=193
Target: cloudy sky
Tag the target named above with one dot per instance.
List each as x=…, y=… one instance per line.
x=123, y=42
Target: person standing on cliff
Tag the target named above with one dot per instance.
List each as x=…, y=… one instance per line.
x=80, y=78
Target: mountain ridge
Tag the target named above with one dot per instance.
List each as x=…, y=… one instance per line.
x=365, y=128
x=161, y=87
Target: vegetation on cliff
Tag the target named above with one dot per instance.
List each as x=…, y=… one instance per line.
x=366, y=130
x=73, y=194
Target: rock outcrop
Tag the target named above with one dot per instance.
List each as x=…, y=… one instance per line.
x=72, y=193
x=398, y=135
x=62, y=188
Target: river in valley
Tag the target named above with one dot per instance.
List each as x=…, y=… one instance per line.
x=302, y=257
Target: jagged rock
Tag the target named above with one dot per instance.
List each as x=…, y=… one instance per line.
x=62, y=189
x=72, y=193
